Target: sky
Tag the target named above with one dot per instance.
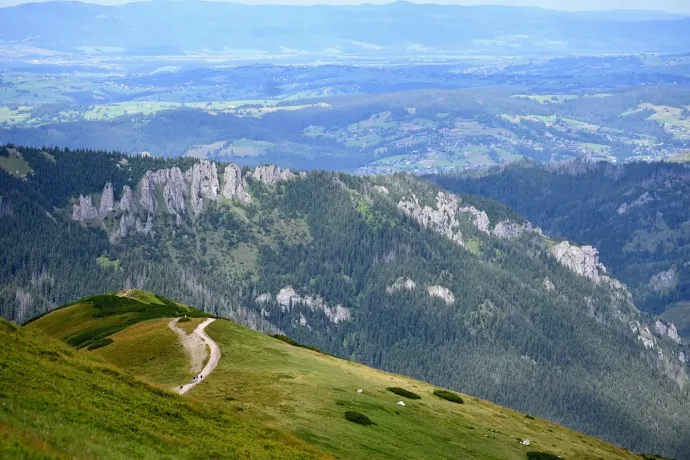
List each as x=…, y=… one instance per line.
x=672, y=6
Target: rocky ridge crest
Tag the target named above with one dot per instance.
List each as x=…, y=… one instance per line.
x=183, y=194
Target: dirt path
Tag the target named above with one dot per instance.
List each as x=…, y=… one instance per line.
x=195, y=346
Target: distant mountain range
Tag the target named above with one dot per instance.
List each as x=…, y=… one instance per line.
x=396, y=29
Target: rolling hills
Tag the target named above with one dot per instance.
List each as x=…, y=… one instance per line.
x=261, y=381
x=389, y=271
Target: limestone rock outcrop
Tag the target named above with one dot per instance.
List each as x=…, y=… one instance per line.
x=127, y=201
x=481, y=219
x=107, y=201
x=147, y=198
x=643, y=199
x=270, y=174
x=442, y=220
x=204, y=184
x=84, y=209
x=288, y=298
x=669, y=330
x=441, y=292
x=582, y=260
x=664, y=281
x=234, y=184
x=401, y=284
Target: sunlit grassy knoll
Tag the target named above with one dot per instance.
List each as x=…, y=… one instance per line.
x=149, y=350
x=93, y=318
x=308, y=393
x=58, y=403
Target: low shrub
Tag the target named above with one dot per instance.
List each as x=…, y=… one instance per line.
x=184, y=320
x=403, y=392
x=100, y=343
x=449, y=396
x=356, y=417
x=529, y=417
x=542, y=456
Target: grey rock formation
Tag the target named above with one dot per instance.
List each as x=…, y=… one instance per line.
x=510, y=229
x=287, y=298
x=204, y=179
x=234, y=184
x=127, y=223
x=147, y=199
x=582, y=260
x=175, y=192
x=270, y=174
x=264, y=298
x=481, y=219
x=107, y=201
x=644, y=335
x=127, y=201
x=84, y=209
x=441, y=292
x=401, y=284
x=145, y=227
x=548, y=285
x=643, y=199
x=442, y=220
x=664, y=281
x=669, y=330
x=507, y=229
x=381, y=189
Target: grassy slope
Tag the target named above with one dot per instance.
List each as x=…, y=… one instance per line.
x=55, y=402
x=308, y=393
x=149, y=350
x=101, y=316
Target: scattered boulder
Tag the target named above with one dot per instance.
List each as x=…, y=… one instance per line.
x=548, y=285
x=526, y=442
x=401, y=403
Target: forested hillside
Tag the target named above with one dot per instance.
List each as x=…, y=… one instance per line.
x=457, y=290
x=637, y=215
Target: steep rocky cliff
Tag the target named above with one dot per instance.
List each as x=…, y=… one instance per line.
x=181, y=193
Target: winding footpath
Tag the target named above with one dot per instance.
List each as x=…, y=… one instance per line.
x=195, y=345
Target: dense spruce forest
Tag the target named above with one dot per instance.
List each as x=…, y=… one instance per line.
x=637, y=215
x=387, y=271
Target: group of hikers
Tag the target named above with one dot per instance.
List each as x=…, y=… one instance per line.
x=196, y=377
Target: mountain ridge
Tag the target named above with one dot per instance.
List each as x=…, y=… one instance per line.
x=387, y=271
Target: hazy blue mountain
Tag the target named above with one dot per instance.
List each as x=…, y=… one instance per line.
x=164, y=28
